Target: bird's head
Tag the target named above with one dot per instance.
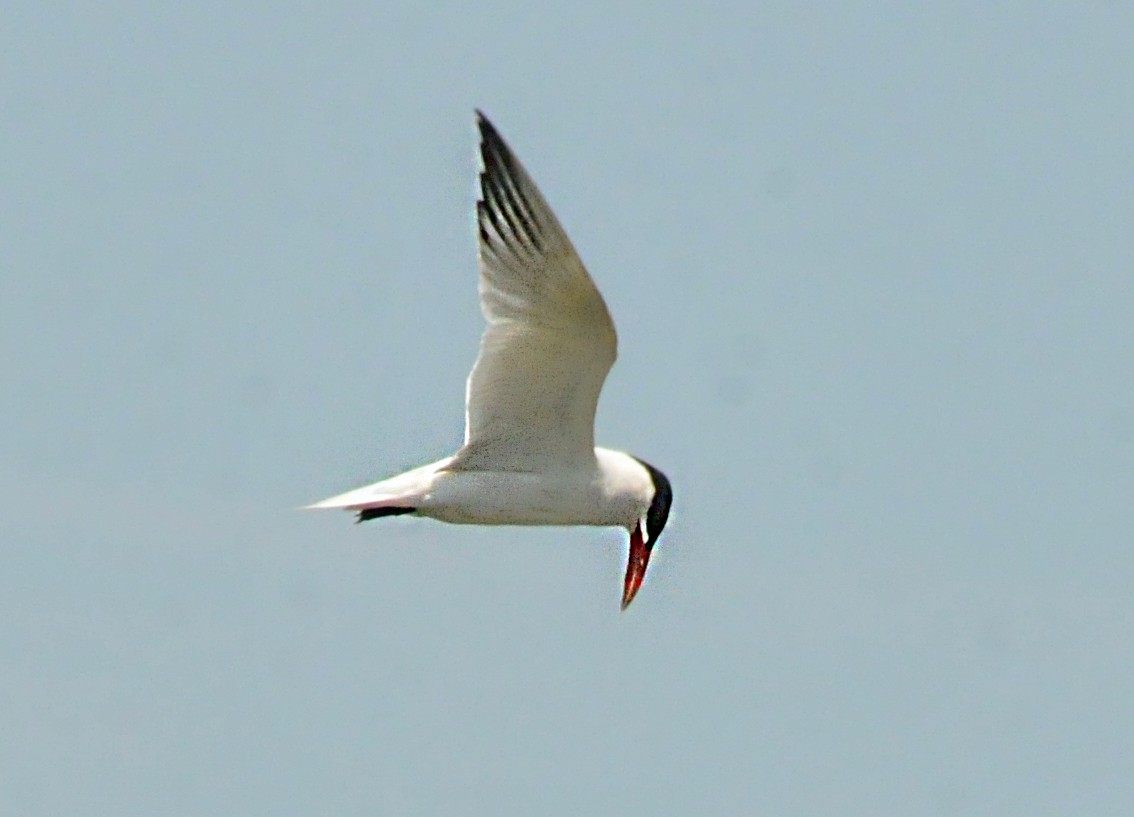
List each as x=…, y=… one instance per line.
x=645, y=531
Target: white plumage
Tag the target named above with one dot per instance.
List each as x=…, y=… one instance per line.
x=529, y=456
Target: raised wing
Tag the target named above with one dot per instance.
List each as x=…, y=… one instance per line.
x=549, y=343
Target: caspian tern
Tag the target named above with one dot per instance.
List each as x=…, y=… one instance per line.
x=529, y=456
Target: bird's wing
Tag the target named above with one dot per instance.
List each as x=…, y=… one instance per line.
x=549, y=343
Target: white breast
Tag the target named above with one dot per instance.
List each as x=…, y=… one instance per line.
x=614, y=492
x=516, y=498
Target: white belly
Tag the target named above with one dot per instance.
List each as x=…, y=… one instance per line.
x=509, y=498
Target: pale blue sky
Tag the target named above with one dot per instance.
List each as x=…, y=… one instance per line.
x=872, y=266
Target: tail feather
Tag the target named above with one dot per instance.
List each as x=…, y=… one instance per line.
x=361, y=498
x=401, y=494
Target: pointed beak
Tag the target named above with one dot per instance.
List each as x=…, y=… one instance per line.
x=635, y=566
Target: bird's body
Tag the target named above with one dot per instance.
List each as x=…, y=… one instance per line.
x=609, y=493
x=529, y=456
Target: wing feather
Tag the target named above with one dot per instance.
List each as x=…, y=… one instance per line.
x=549, y=342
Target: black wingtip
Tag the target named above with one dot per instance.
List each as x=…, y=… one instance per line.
x=377, y=513
x=503, y=193
x=491, y=140
x=485, y=126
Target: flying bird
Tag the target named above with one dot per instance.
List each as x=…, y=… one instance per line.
x=529, y=456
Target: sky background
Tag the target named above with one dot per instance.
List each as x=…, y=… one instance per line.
x=872, y=266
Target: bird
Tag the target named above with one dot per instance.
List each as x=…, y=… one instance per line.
x=529, y=456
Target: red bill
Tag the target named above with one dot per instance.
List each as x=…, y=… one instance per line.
x=635, y=565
